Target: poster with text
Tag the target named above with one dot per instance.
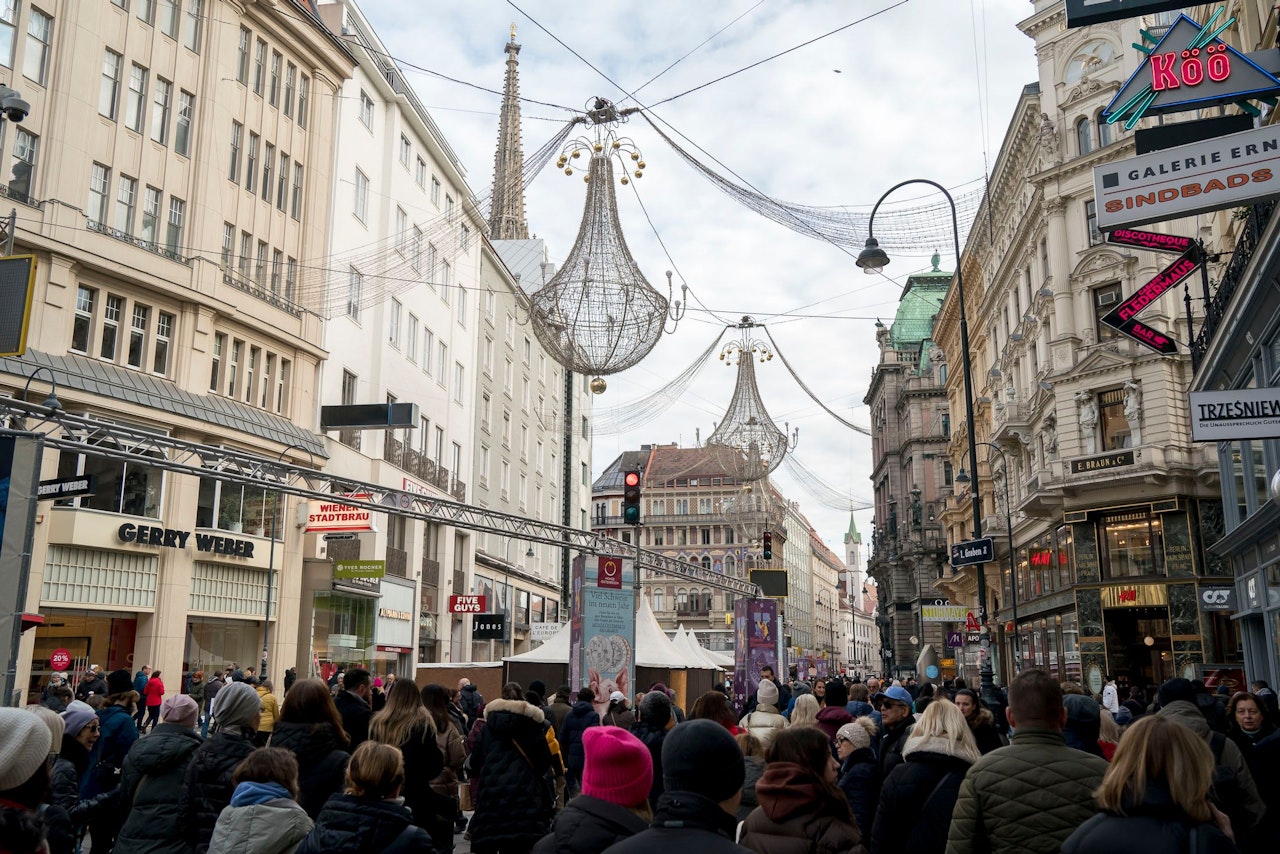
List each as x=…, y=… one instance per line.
x=755, y=627
x=608, y=641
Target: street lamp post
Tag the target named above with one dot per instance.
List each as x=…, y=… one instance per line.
x=872, y=260
x=271, y=555
x=1008, y=527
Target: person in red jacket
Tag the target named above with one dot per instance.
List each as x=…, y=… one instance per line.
x=154, y=694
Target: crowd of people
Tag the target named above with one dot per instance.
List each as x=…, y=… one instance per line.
x=371, y=765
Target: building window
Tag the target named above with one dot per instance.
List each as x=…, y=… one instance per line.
x=277, y=263
x=150, y=217
x=135, y=105
x=1104, y=132
x=126, y=198
x=169, y=18
x=173, y=237
x=304, y=95
x=182, y=133
x=110, y=336
x=160, y=111
x=237, y=131
x=1091, y=222
x=260, y=268
x=273, y=94
x=393, y=324
x=25, y=148
x=417, y=249
x=355, y=291
x=448, y=207
x=366, y=109
x=164, y=336
x=8, y=31
x=246, y=243
x=1084, y=139
x=194, y=19
x=435, y=191
x=361, y=205
x=402, y=230
x=215, y=370
x=251, y=164
x=251, y=373
x=411, y=339
x=99, y=187
x=1116, y=431
x=1105, y=298
x=282, y=183
x=259, y=66
x=109, y=89
x=458, y=374
x=35, y=63
x=428, y=347
x=82, y=325
x=1132, y=545
x=406, y=150
x=242, y=56
x=290, y=278
x=420, y=173
x=295, y=202
x=268, y=163
x=235, y=508
x=122, y=487
x=228, y=247
x=138, y=334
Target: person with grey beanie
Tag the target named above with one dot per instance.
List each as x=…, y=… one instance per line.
x=24, y=779
x=207, y=786
x=703, y=771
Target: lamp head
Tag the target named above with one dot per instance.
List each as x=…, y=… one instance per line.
x=872, y=259
x=530, y=553
x=962, y=477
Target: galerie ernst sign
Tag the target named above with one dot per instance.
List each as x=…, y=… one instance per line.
x=1236, y=169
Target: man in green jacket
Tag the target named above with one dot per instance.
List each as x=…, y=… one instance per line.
x=1028, y=797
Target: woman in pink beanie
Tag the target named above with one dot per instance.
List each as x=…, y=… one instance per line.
x=614, y=803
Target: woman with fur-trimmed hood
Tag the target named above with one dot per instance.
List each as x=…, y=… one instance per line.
x=981, y=722
x=515, y=799
x=919, y=795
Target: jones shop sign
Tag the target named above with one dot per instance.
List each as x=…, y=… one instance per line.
x=1232, y=170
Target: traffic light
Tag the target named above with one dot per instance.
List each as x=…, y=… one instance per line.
x=768, y=545
x=631, y=498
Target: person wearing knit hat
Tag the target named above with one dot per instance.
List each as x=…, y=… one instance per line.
x=152, y=777
x=765, y=721
x=76, y=716
x=859, y=772
x=614, y=801
x=207, y=787
x=24, y=779
x=703, y=771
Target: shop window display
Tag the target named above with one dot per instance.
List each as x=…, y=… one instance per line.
x=120, y=487
x=235, y=508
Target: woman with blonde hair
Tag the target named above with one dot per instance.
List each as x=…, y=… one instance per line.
x=806, y=711
x=918, y=796
x=1155, y=797
x=405, y=723
x=369, y=815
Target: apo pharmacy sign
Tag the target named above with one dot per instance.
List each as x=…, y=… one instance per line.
x=1237, y=169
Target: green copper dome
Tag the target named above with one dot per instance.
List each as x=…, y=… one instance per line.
x=919, y=304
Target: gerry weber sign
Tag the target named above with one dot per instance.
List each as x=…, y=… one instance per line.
x=1236, y=169
x=1246, y=413
x=168, y=538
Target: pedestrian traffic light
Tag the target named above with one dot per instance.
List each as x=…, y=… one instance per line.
x=631, y=498
x=768, y=545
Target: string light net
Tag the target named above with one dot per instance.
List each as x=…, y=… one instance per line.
x=598, y=315
x=747, y=440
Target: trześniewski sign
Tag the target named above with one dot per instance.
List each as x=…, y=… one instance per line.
x=1245, y=413
x=1237, y=169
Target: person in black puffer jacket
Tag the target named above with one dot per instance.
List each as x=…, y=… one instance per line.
x=151, y=781
x=1171, y=813
x=859, y=772
x=651, y=729
x=614, y=803
x=582, y=716
x=369, y=816
x=80, y=729
x=981, y=722
x=917, y=798
x=471, y=701
x=311, y=729
x=511, y=759
x=207, y=787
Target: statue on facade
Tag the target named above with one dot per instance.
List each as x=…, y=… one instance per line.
x=1048, y=139
x=1051, y=433
x=1088, y=420
x=1133, y=409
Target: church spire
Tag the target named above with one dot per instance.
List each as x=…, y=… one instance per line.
x=506, y=211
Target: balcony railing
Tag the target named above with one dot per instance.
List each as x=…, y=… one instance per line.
x=1255, y=222
x=149, y=246
x=397, y=562
x=418, y=464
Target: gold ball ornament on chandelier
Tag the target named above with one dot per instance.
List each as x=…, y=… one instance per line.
x=598, y=385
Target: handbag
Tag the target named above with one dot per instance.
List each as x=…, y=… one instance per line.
x=464, y=797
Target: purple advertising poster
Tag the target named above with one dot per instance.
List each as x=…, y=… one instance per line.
x=576, y=579
x=755, y=627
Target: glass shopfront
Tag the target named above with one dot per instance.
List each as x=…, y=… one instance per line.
x=89, y=637
x=214, y=644
x=342, y=628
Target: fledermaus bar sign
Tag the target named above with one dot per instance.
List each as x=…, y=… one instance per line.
x=1237, y=169
x=1246, y=413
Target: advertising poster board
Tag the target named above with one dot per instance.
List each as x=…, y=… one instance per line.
x=755, y=634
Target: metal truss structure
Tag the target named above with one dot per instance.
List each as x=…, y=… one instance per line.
x=126, y=443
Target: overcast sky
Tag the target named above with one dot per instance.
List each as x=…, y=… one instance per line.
x=925, y=89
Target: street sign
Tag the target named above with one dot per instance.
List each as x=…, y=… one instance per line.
x=329, y=538
x=973, y=551
x=543, y=632
x=1145, y=335
x=955, y=639
x=70, y=487
x=466, y=604
x=1244, y=413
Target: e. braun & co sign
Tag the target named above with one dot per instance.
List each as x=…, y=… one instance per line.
x=1237, y=169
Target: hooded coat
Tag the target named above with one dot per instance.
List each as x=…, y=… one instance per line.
x=1153, y=825
x=511, y=758
x=471, y=701
x=684, y=821
x=1247, y=806
x=353, y=825
x=983, y=727
x=754, y=767
x=860, y=782
x=259, y=821
x=831, y=718
x=652, y=734
x=581, y=717
x=763, y=722
x=150, y=785
x=589, y=825
x=916, y=800
x=798, y=815
x=207, y=788
x=322, y=761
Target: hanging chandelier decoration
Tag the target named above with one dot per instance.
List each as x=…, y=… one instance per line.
x=598, y=315
x=750, y=512
x=747, y=442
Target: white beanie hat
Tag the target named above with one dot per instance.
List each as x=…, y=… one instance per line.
x=24, y=746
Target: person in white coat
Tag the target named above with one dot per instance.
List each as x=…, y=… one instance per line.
x=766, y=721
x=1110, y=696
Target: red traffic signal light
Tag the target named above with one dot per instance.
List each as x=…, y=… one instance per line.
x=768, y=545
x=631, y=498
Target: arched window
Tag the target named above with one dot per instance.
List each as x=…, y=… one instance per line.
x=682, y=599
x=706, y=562
x=730, y=565
x=659, y=600
x=1104, y=132
x=1084, y=139
x=706, y=599
x=1090, y=57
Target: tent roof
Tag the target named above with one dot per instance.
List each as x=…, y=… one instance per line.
x=688, y=644
x=653, y=647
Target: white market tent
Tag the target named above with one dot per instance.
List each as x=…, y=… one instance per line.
x=688, y=644
x=653, y=647
x=721, y=660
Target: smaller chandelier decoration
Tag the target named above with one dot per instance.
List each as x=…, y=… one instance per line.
x=750, y=445
x=750, y=513
x=599, y=315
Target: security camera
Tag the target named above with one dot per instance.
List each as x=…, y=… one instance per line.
x=12, y=107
